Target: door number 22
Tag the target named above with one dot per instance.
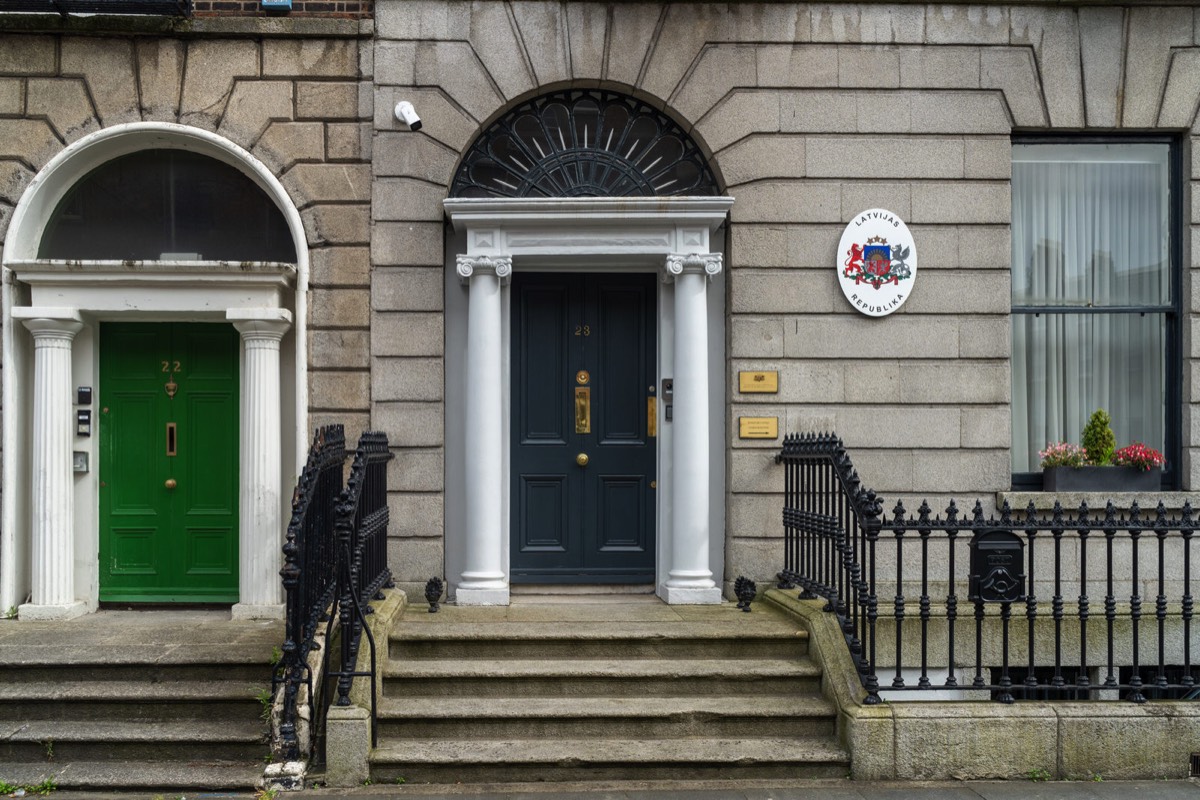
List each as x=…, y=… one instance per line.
x=583, y=330
x=171, y=366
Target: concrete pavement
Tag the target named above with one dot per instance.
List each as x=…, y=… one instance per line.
x=714, y=790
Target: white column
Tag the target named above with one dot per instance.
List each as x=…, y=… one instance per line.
x=484, y=582
x=52, y=507
x=690, y=581
x=261, y=524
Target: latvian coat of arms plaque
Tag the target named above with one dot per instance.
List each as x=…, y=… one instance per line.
x=878, y=262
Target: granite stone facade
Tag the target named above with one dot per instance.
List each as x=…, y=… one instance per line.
x=808, y=113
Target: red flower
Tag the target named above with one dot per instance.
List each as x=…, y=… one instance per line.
x=1139, y=456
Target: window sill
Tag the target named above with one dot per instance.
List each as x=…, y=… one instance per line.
x=1096, y=501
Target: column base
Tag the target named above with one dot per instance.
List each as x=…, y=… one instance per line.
x=686, y=596
x=466, y=596
x=35, y=611
x=251, y=611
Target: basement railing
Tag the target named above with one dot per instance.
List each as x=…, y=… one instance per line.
x=937, y=603
x=335, y=563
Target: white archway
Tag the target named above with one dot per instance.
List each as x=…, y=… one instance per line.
x=48, y=526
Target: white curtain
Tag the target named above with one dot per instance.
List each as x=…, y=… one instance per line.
x=1090, y=229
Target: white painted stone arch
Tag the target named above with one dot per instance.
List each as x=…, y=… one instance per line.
x=266, y=302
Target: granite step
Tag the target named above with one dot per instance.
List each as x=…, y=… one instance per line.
x=689, y=759
x=36, y=741
x=151, y=776
x=131, y=700
x=722, y=716
x=533, y=677
x=596, y=641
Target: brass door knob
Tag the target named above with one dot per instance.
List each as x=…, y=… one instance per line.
x=582, y=459
x=170, y=483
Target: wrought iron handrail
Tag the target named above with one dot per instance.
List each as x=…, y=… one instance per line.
x=834, y=530
x=308, y=575
x=335, y=562
x=362, y=524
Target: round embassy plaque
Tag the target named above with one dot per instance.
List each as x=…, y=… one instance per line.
x=878, y=262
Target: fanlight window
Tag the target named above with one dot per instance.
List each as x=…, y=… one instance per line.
x=588, y=143
x=167, y=205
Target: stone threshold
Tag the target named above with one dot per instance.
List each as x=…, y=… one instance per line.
x=152, y=25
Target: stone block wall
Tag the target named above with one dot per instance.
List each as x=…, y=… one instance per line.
x=289, y=93
x=810, y=113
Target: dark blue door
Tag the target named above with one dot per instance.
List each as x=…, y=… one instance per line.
x=583, y=377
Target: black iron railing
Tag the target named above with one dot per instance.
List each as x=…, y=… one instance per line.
x=362, y=525
x=1119, y=611
x=308, y=574
x=335, y=562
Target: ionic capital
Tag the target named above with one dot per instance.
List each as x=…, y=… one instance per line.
x=501, y=266
x=677, y=264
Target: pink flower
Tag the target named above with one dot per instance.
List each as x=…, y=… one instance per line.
x=1062, y=454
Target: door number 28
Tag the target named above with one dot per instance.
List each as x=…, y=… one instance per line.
x=583, y=330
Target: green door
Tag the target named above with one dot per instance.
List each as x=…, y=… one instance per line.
x=168, y=463
x=583, y=446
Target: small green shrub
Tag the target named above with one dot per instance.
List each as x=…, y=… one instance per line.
x=1038, y=775
x=264, y=697
x=1099, y=439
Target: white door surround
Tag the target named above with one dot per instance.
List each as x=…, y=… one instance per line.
x=49, y=526
x=671, y=235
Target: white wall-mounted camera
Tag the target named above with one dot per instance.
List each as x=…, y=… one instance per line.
x=408, y=115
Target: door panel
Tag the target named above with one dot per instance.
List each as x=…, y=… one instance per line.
x=164, y=386
x=204, y=442
x=591, y=523
x=544, y=513
x=543, y=368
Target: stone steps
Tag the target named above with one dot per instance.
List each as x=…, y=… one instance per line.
x=476, y=696
x=129, y=703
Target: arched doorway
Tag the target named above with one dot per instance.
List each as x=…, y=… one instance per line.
x=585, y=413
x=153, y=325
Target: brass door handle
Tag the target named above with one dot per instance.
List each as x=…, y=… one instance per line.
x=170, y=483
x=582, y=459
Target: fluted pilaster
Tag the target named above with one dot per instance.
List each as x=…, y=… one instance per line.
x=261, y=523
x=52, y=501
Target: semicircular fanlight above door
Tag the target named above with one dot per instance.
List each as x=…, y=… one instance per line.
x=584, y=143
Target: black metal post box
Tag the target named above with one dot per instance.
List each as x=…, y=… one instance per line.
x=997, y=567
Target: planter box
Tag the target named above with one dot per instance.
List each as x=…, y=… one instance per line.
x=1101, y=479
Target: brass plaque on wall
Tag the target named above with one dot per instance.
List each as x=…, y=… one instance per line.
x=758, y=427
x=767, y=382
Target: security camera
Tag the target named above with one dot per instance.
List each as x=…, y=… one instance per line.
x=408, y=115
